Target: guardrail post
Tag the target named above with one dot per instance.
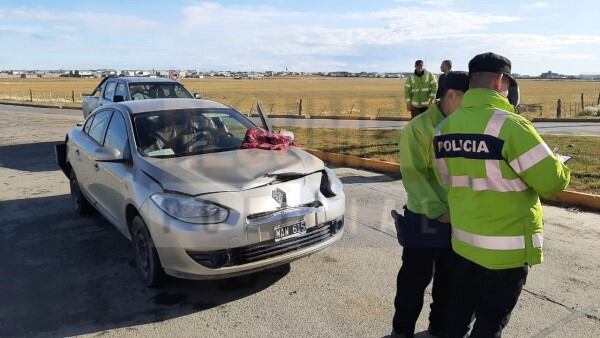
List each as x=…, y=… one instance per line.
x=30, y=95
x=558, y=108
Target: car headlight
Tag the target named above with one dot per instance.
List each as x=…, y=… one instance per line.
x=189, y=209
x=331, y=185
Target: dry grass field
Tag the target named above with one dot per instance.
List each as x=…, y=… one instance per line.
x=320, y=96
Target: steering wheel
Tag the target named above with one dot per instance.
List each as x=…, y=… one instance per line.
x=157, y=136
x=203, y=135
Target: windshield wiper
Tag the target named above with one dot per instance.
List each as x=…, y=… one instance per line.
x=202, y=152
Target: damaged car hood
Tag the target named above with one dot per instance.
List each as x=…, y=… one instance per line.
x=236, y=170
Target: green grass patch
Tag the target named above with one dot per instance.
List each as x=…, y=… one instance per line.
x=383, y=145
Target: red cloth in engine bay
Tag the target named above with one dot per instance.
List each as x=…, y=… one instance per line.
x=262, y=139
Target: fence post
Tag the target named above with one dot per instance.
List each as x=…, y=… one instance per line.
x=558, y=109
x=73, y=95
x=570, y=109
x=581, y=101
x=30, y=95
x=598, y=99
x=299, y=106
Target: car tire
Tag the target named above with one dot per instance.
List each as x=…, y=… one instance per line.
x=146, y=257
x=82, y=206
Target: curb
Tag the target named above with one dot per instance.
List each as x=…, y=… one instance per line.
x=340, y=117
x=588, y=201
x=355, y=162
x=567, y=198
x=34, y=105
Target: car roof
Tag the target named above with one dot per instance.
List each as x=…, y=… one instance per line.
x=143, y=106
x=140, y=79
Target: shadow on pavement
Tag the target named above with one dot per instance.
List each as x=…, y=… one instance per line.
x=366, y=179
x=64, y=275
x=422, y=334
x=33, y=157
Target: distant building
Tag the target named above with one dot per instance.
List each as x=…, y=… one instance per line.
x=338, y=74
x=589, y=76
x=550, y=75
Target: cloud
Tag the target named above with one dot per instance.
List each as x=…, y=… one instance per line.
x=210, y=35
x=427, y=2
x=535, y=5
x=96, y=20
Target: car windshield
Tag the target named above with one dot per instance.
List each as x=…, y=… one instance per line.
x=158, y=90
x=183, y=132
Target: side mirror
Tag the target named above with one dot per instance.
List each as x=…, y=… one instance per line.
x=118, y=98
x=287, y=133
x=197, y=96
x=108, y=154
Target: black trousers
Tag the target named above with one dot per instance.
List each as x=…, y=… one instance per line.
x=418, y=267
x=489, y=295
x=414, y=111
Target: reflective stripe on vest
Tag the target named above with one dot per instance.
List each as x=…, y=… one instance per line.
x=482, y=184
x=538, y=240
x=531, y=158
x=494, y=180
x=497, y=242
x=490, y=242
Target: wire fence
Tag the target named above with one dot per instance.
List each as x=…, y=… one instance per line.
x=361, y=107
x=41, y=96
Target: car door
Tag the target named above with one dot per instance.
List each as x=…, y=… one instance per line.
x=109, y=92
x=112, y=181
x=78, y=160
x=87, y=144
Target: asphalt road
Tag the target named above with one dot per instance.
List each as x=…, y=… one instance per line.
x=63, y=275
x=557, y=128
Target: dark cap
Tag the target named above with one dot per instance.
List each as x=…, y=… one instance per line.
x=491, y=63
x=418, y=62
x=457, y=81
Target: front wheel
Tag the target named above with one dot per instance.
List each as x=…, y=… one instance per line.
x=146, y=256
x=82, y=206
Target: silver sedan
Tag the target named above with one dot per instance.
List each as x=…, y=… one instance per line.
x=173, y=177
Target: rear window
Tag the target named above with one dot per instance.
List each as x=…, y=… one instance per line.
x=158, y=90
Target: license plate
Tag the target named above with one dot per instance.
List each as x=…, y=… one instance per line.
x=288, y=231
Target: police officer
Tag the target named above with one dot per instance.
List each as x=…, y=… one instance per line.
x=494, y=165
x=424, y=230
x=445, y=67
x=419, y=90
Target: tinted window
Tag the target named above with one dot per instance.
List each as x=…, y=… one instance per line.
x=121, y=90
x=110, y=90
x=88, y=124
x=158, y=90
x=185, y=132
x=116, y=135
x=98, y=128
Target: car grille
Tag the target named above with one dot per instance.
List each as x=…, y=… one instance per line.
x=265, y=250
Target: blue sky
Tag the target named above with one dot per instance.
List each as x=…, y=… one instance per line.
x=302, y=35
